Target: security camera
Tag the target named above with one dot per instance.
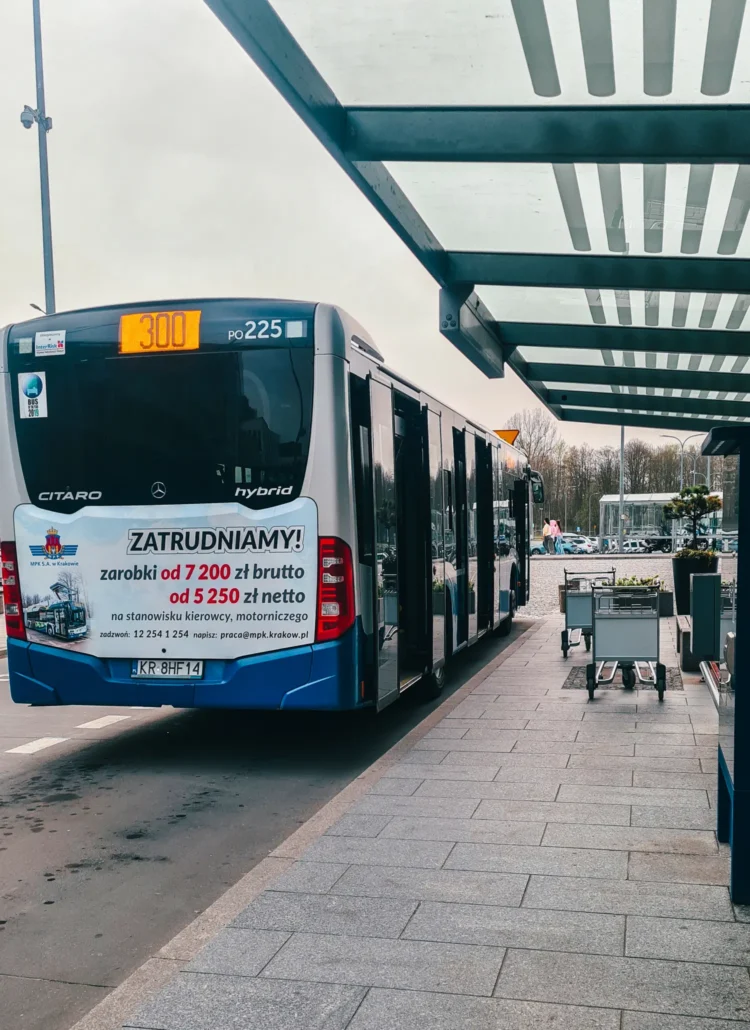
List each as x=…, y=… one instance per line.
x=27, y=117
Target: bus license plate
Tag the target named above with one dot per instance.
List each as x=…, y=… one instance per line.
x=165, y=668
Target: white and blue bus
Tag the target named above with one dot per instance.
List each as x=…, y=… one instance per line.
x=249, y=509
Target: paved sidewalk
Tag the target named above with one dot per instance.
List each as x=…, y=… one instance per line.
x=534, y=861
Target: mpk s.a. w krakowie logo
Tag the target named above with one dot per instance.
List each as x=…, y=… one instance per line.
x=53, y=548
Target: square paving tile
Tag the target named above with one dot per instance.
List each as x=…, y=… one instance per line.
x=651, y=1021
x=196, y=1001
x=352, y=824
x=310, y=877
x=238, y=952
x=632, y=838
x=480, y=831
x=424, y=807
x=519, y=928
x=327, y=913
x=419, y=854
x=628, y=897
x=675, y=816
x=433, y=885
x=555, y=812
x=680, y=868
x=396, y=787
x=412, y=965
x=689, y=940
x=649, y=796
x=610, y=865
x=520, y=791
x=393, y=1010
x=443, y=772
x=689, y=989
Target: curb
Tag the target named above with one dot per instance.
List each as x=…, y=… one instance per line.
x=155, y=972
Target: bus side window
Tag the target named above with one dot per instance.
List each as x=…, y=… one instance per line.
x=448, y=489
x=361, y=456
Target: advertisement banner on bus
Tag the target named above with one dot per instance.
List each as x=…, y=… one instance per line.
x=209, y=581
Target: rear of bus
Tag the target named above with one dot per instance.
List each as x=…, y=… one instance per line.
x=175, y=520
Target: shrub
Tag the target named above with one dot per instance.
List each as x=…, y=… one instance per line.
x=692, y=503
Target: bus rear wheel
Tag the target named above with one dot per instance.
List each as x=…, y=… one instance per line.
x=504, y=628
x=433, y=684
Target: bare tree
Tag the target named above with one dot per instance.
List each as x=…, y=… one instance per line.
x=637, y=466
x=538, y=434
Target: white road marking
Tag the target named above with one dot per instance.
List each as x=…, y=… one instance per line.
x=36, y=745
x=99, y=724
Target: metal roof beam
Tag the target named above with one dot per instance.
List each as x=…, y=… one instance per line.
x=608, y=375
x=604, y=133
x=466, y=322
x=617, y=418
x=601, y=271
x=612, y=337
x=648, y=402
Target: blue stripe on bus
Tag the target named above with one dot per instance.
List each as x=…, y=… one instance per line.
x=321, y=676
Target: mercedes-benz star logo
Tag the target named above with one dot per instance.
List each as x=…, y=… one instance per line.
x=158, y=490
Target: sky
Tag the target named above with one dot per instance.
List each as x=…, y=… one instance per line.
x=177, y=170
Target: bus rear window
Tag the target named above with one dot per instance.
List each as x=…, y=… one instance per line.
x=171, y=429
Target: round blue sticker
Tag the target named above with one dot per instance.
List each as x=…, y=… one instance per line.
x=33, y=386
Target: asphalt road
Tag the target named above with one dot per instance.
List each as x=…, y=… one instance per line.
x=115, y=837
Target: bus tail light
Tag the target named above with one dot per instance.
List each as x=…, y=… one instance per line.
x=11, y=592
x=335, y=589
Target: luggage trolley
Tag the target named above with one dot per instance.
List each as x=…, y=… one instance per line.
x=577, y=599
x=625, y=632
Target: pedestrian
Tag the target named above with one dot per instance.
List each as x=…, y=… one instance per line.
x=556, y=532
x=547, y=540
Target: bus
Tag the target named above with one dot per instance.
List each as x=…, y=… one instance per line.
x=62, y=619
x=254, y=511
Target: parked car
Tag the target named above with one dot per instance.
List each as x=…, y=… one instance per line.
x=633, y=547
x=581, y=544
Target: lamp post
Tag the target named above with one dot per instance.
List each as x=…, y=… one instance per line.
x=669, y=436
x=29, y=115
x=621, y=520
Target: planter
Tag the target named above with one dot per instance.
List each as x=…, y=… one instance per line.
x=666, y=604
x=682, y=570
x=561, y=593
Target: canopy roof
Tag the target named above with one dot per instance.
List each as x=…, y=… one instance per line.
x=571, y=172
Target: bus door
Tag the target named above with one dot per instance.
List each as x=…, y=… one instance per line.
x=461, y=561
x=472, y=535
x=437, y=539
x=522, y=513
x=414, y=543
x=485, y=536
x=386, y=542
x=500, y=543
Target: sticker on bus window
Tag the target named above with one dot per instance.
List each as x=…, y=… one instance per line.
x=49, y=343
x=25, y=345
x=32, y=394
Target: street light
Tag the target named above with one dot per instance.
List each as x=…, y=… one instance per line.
x=29, y=115
x=669, y=436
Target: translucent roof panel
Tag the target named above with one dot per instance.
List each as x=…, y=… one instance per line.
x=670, y=414
x=523, y=52
x=566, y=170
x=665, y=309
x=634, y=209
x=638, y=359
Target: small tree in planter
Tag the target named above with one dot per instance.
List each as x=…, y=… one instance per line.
x=692, y=505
